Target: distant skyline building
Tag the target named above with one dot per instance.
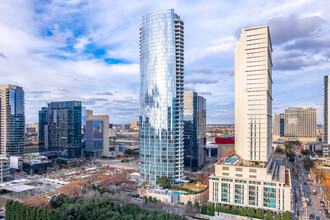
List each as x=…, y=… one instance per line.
x=253, y=95
x=60, y=128
x=194, y=116
x=278, y=126
x=300, y=122
x=326, y=109
x=161, y=96
x=12, y=120
x=134, y=124
x=97, y=136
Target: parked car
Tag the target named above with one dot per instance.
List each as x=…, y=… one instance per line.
x=312, y=216
x=317, y=218
x=319, y=197
x=320, y=210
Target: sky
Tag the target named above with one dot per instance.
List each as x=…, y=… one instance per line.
x=88, y=50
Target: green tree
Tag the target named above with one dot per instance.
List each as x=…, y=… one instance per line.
x=204, y=209
x=196, y=204
x=278, y=217
x=287, y=215
x=218, y=208
x=234, y=210
x=260, y=214
x=210, y=209
x=226, y=209
x=189, y=203
x=250, y=212
x=269, y=216
x=242, y=211
x=164, y=182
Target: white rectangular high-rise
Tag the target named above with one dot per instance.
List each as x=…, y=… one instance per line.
x=253, y=95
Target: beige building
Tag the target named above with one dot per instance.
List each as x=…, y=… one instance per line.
x=300, y=122
x=134, y=124
x=252, y=178
x=253, y=95
x=278, y=125
x=12, y=120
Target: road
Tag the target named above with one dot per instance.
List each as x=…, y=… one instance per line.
x=301, y=190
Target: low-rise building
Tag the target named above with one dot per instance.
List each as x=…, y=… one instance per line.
x=326, y=150
x=263, y=187
x=325, y=176
x=4, y=168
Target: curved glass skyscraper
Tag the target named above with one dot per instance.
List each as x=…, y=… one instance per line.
x=161, y=96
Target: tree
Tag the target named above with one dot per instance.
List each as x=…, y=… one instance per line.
x=226, y=209
x=234, y=210
x=164, y=182
x=287, y=215
x=242, y=211
x=218, y=208
x=260, y=214
x=210, y=209
x=129, y=152
x=278, y=217
x=204, y=209
x=250, y=212
x=196, y=204
x=269, y=216
x=189, y=203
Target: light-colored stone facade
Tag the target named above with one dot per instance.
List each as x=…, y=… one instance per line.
x=253, y=95
x=257, y=187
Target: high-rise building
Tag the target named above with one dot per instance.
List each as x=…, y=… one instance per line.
x=161, y=96
x=12, y=120
x=60, y=128
x=251, y=178
x=194, y=116
x=278, y=125
x=97, y=135
x=300, y=122
x=326, y=110
x=253, y=95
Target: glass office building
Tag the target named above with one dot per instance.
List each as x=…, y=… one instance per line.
x=61, y=128
x=161, y=96
x=94, y=137
x=12, y=120
x=194, y=116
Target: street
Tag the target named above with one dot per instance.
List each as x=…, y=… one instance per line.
x=303, y=189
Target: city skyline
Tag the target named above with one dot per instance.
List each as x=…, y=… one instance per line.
x=62, y=55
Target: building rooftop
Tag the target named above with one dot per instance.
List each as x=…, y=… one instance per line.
x=17, y=188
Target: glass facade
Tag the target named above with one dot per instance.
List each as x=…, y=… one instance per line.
x=12, y=121
x=194, y=116
x=61, y=123
x=94, y=137
x=161, y=96
x=326, y=110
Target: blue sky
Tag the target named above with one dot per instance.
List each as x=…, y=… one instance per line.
x=89, y=50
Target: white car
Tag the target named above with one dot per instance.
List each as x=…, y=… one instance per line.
x=319, y=197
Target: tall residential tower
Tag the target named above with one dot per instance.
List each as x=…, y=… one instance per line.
x=251, y=178
x=253, y=95
x=161, y=96
x=12, y=120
